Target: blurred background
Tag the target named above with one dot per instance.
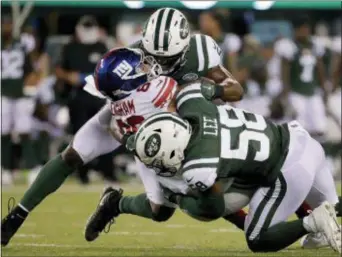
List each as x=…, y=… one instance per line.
x=58, y=43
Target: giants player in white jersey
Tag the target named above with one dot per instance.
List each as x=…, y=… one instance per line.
x=133, y=95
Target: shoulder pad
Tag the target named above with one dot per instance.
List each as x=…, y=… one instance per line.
x=232, y=43
x=285, y=48
x=319, y=46
x=209, y=54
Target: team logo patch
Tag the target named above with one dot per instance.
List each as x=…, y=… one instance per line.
x=190, y=77
x=152, y=145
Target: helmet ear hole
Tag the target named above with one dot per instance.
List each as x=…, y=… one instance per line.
x=157, y=130
x=172, y=154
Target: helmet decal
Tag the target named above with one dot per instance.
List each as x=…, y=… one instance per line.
x=167, y=30
x=157, y=30
x=152, y=145
x=184, y=29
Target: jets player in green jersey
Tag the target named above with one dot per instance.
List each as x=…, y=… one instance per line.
x=16, y=107
x=185, y=57
x=303, y=75
x=210, y=144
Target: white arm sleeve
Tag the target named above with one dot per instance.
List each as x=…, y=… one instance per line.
x=336, y=45
x=200, y=178
x=151, y=184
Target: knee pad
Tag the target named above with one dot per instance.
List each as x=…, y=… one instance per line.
x=71, y=157
x=164, y=213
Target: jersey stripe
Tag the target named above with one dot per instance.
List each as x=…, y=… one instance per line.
x=268, y=210
x=201, y=166
x=162, y=28
x=157, y=29
x=166, y=93
x=200, y=55
x=195, y=86
x=167, y=28
x=161, y=89
x=188, y=97
x=201, y=161
x=205, y=51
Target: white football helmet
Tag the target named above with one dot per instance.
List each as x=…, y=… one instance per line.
x=160, y=142
x=166, y=36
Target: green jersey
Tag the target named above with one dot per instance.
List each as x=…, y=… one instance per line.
x=229, y=143
x=15, y=65
x=202, y=55
x=303, y=58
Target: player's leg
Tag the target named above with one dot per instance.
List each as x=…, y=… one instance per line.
x=299, y=105
x=23, y=125
x=317, y=117
x=334, y=105
x=323, y=189
x=237, y=197
x=6, y=143
x=266, y=227
x=91, y=141
x=151, y=204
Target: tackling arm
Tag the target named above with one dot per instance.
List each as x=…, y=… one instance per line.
x=228, y=88
x=209, y=205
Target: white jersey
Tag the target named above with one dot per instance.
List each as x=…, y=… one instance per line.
x=149, y=98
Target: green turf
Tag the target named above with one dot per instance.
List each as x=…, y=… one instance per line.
x=55, y=228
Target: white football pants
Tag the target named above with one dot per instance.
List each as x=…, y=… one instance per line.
x=304, y=177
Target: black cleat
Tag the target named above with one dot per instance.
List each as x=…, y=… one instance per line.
x=12, y=222
x=106, y=211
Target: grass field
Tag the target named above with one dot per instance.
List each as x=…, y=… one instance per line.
x=56, y=227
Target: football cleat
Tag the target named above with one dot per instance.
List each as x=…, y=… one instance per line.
x=106, y=211
x=323, y=219
x=314, y=240
x=12, y=222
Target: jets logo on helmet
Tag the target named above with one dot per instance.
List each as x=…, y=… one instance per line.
x=184, y=29
x=160, y=142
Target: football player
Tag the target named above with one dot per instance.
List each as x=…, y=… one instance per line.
x=302, y=74
x=210, y=144
x=169, y=50
x=119, y=72
x=17, y=106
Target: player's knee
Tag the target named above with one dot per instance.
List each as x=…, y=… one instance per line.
x=71, y=157
x=255, y=246
x=163, y=214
